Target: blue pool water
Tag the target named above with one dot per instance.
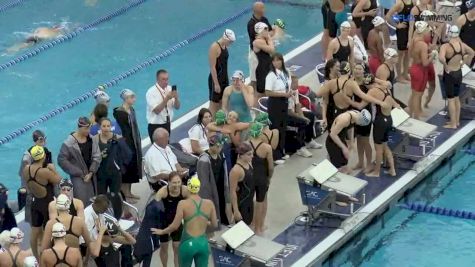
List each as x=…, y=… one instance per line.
x=410, y=239
x=32, y=88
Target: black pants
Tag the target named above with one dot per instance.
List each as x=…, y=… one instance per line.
x=305, y=131
x=152, y=127
x=277, y=107
x=145, y=260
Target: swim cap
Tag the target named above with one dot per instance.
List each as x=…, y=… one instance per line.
x=30, y=261
x=63, y=202
x=427, y=15
x=377, y=21
x=66, y=182
x=389, y=53
x=280, y=23
x=16, y=235
x=421, y=26
x=229, y=35
x=101, y=97
x=37, y=135
x=454, y=31
x=37, y=153
x=5, y=238
x=194, y=185
x=58, y=230
x=345, y=24
x=365, y=118
x=217, y=139
x=260, y=27
x=255, y=130
x=345, y=68
x=238, y=74
x=126, y=93
x=368, y=79
x=470, y=4
x=263, y=118
x=110, y=223
x=220, y=117
x=83, y=122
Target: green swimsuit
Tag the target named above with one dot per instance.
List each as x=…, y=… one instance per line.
x=191, y=247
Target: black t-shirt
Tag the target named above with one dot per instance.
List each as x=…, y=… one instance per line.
x=250, y=28
x=86, y=151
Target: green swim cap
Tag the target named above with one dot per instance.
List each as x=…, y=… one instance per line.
x=256, y=129
x=220, y=117
x=263, y=118
x=280, y=23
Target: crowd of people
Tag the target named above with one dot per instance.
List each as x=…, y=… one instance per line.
x=220, y=173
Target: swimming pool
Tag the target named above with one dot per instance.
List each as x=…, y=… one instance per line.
x=407, y=238
x=36, y=86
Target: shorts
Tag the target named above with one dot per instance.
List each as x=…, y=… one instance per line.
x=174, y=236
x=329, y=20
x=213, y=96
x=431, y=73
x=252, y=58
x=382, y=125
x=374, y=63
x=452, y=82
x=402, y=38
x=39, y=212
x=335, y=153
x=419, y=77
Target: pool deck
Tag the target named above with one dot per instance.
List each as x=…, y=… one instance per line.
x=313, y=245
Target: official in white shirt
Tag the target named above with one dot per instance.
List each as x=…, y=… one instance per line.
x=95, y=212
x=160, y=160
x=161, y=100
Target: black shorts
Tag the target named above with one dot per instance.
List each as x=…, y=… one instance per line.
x=452, y=82
x=402, y=38
x=174, y=236
x=382, y=125
x=335, y=153
x=39, y=212
x=213, y=96
x=329, y=21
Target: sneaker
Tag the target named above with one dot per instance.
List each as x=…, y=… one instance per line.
x=314, y=145
x=285, y=157
x=279, y=162
x=303, y=152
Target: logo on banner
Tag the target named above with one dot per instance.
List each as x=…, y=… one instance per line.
x=312, y=194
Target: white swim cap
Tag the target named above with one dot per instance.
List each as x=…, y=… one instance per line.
x=260, y=27
x=101, y=97
x=63, y=202
x=345, y=24
x=421, y=26
x=238, y=74
x=30, y=262
x=126, y=93
x=427, y=15
x=58, y=230
x=389, y=53
x=5, y=239
x=364, y=118
x=16, y=235
x=229, y=35
x=377, y=21
x=454, y=31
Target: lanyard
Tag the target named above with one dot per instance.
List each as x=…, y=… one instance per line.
x=165, y=156
x=163, y=97
x=284, y=80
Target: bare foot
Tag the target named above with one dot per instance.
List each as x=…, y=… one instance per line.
x=450, y=126
x=357, y=166
x=368, y=168
x=422, y=115
x=373, y=174
x=426, y=104
x=392, y=172
x=259, y=232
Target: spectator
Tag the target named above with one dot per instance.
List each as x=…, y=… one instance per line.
x=115, y=156
x=341, y=48
x=242, y=187
x=39, y=139
x=171, y=195
x=69, y=256
x=80, y=159
x=14, y=255
x=100, y=112
x=95, y=213
x=197, y=141
x=161, y=100
x=269, y=136
x=7, y=218
x=278, y=90
x=258, y=12
x=40, y=181
x=263, y=47
x=127, y=119
x=160, y=160
x=213, y=174
x=239, y=97
x=76, y=208
x=218, y=63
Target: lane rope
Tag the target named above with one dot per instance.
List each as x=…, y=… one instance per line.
x=422, y=207
x=10, y=4
x=304, y=5
x=61, y=39
x=114, y=81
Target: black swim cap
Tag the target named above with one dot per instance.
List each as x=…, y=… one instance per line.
x=345, y=68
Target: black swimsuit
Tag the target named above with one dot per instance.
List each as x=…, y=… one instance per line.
x=63, y=260
x=222, y=73
x=403, y=34
x=261, y=174
x=171, y=204
x=39, y=206
x=363, y=130
x=245, y=195
x=108, y=257
x=343, y=53
x=332, y=110
x=453, y=80
x=367, y=23
x=392, y=79
x=70, y=229
x=14, y=258
x=263, y=67
x=335, y=153
x=467, y=33
x=382, y=124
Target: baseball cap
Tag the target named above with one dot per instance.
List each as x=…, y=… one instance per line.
x=259, y=27
x=126, y=93
x=389, y=53
x=58, y=230
x=229, y=35
x=63, y=202
x=238, y=74
x=16, y=235
x=37, y=153
x=101, y=97
x=377, y=21
x=37, y=135
x=280, y=23
x=194, y=185
x=365, y=118
x=421, y=26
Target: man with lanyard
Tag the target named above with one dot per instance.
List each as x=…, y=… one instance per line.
x=258, y=11
x=161, y=100
x=160, y=160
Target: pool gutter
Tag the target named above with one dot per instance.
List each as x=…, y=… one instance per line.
x=354, y=224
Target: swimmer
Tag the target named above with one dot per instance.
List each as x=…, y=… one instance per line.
x=76, y=208
x=375, y=44
x=14, y=255
x=279, y=31
x=39, y=35
x=341, y=48
x=60, y=254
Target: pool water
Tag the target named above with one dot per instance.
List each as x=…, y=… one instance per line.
x=40, y=84
x=411, y=239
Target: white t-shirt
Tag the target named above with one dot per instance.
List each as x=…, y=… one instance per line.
x=279, y=82
x=159, y=160
x=197, y=133
x=359, y=51
x=154, y=97
x=294, y=100
x=90, y=217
